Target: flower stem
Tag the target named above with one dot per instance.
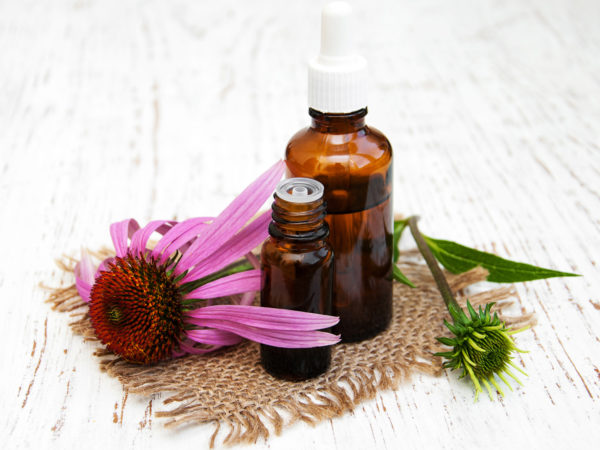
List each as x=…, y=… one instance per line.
x=238, y=266
x=443, y=286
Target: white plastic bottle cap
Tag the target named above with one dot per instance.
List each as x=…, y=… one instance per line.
x=337, y=78
x=299, y=190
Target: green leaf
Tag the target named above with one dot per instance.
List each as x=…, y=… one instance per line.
x=399, y=276
x=448, y=355
x=452, y=327
x=399, y=226
x=472, y=311
x=458, y=259
x=447, y=341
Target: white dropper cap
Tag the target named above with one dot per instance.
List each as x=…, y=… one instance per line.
x=337, y=78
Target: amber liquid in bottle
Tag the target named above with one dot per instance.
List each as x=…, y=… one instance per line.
x=354, y=163
x=297, y=273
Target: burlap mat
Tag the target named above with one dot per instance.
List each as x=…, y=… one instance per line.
x=230, y=389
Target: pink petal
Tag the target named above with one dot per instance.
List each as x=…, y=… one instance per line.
x=139, y=240
x=247, y=239
x=84, y=275
x=253, y=260
x=234, y=217
x=237, y=283
x=103, y=267
x=120, y=232
x=263, y=317
x=276, y=338
x=179, y=235
x=213, y=337
x=247, y=298
x=84, y=289
x=185, y=347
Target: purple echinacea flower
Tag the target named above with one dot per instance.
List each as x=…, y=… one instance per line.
x=148, y=304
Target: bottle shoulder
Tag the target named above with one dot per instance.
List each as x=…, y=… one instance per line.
x=367, y=137
x=379, y=137
x=365, y=149
x=275, y=249
x=355, y=168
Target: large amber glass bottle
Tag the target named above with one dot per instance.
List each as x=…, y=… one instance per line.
x=354, y=163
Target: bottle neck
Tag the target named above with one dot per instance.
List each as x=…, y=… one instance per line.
x=298, y=221
x=338, y=123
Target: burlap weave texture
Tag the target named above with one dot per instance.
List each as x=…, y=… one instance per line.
x=231, y=390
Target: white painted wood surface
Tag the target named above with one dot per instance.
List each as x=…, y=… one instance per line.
x=161, y=109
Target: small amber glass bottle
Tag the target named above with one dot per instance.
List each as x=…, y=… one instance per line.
x=297, y=272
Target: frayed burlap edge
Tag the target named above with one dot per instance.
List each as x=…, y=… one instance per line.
x=230, y=389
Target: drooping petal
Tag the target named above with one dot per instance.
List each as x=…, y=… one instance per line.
x=178, y=236
x=84, y=275
x=233, y=217
x=213, y=337
x=248, y=238
x=120, y=232
x=247, y=298
x=253, y=260
x=104, y=265
x=276, y=338
x=188, y=347
x=263, y=317
x=139, y=240
x=237, y=283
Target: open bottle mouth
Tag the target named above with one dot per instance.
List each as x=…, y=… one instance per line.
x=300, y=190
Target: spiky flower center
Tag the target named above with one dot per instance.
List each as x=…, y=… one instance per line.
x=494, y=358
x=135, y=309
x=482, y=347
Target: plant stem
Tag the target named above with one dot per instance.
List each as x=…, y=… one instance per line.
x=238, y=266
x=443, y=286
